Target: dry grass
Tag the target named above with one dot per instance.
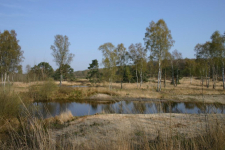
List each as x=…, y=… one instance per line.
x=64, y=117
x=183, y=92
x=117, y=131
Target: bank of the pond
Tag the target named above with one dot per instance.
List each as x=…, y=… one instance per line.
x=109, y=129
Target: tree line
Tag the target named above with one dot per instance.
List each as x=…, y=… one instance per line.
x=121, y=64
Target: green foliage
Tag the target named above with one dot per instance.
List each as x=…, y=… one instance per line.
x=158, y=40
x=61, y=53
x=67, y=73
x=93, y=74
x=109, y=61
x=10, y=53
x=42, y=71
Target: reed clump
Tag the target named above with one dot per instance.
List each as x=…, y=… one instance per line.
x=9, y=104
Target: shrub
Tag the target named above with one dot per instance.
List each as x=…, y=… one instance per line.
x=9, y=104
x=44, y=91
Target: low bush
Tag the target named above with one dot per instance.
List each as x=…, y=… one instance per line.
x=43, y=91
x=9, y=104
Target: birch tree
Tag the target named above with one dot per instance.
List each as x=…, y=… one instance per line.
x=217, y=46
x=122, y=58
x=61, y=53
x=142, y=52
x=158, y=40
x=134, y=57
x=11, y=54
x=109, y=61
x=177, y=57
x=138, y=56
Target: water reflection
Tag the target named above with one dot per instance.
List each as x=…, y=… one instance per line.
x=126, y=107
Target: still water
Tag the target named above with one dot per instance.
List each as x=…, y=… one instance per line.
x=49, y=109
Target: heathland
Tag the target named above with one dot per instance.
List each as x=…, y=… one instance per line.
x=22, y=128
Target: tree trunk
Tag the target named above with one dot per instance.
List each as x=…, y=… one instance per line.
x=203, y=78
x=214, y=78
x=61, y=80
x=165, y=79
x=13, y=77
x=223, y=75
x=137, y=76
x=141, y=77
x=158, y=88
x=8, y=79
x=2, y=78
x=216, y=72
x=172, y=75
x=109, y=83
x=177, y=78
x=5, y=79
x=208, y=78
x=160, y=79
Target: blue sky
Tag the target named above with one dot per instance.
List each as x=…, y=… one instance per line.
x=91, y=23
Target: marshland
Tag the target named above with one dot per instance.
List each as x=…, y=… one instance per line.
x=112, y=75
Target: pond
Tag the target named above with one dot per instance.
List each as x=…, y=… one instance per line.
x=49, y=109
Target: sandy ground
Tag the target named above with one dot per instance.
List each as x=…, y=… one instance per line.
x=104, y=128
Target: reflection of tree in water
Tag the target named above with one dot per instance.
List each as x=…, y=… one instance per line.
x=202, y=108
x=153, y=107
x=120, y=107
x=127, y=102
x=63, y=107
x=94, y=106
x=189, y=105
x=139, y=108
x=170, y=107
x=46, y=109
x=108, y=108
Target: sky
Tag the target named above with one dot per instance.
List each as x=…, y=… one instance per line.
x=91, y=23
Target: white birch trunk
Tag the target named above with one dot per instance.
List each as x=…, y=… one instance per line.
x=159, y=77
x=5, y=79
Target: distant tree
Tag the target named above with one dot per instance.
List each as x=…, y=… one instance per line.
x=171, y=58
x=46, y=69
x=211, y=53
x=134, y=56
x=138, y=56
x=218, y=47
x=158, y=40
x=142, y=52
x=11, y=54
x=43, y=70
x=122, y=58
x=128, y=73
x=61, y=52
x=109, y=61
x=28, y=68
x=177, y=57
x=190, y=64
x=66, y=71
x=165, y=64
x=93, y=74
